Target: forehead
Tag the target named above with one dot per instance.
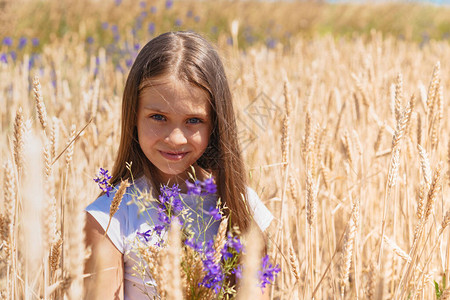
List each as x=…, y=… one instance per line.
x=170, y=94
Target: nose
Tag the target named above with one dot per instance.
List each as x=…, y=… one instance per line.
x=176, y=137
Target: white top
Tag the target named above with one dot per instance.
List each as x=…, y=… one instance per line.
x=127, y=222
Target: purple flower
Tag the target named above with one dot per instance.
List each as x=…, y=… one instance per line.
x=13, y=55
x=35, y=42
x=213, y=271
x=103, y=181
x=153, y=9
x=142, y=4
x=3, y=58
x=178, y=22
x=268, y=272
x=129, y=62
x=215, y=213
x=159, y=229
x=201, y=188
x=198, y=247
x=189, y=14
x=145, y=235
x=271, y=43
x=210, y=186
x=151, y=28
x=90, y=40
x=105, y=25
x=22, y=42
x=197, y=19
x=232, y=246
x=137, y=46
x=118, y=2
x=237, y=271
x=169, y=4
x=194, y=188
x=7, y=41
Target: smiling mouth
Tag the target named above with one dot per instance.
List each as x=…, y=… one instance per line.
x=173, y=155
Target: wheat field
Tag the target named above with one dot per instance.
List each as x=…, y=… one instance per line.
x=346, y=140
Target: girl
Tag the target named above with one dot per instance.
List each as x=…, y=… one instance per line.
x=177, y=114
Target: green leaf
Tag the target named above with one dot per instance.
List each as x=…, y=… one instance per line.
x=438, y=291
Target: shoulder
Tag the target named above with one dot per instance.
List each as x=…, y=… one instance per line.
x=261, y=214
x=116, y=226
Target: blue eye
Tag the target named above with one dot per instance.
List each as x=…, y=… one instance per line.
x=194, y=121
x=157, y=117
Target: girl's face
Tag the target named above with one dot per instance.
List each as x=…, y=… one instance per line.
x=173, y=125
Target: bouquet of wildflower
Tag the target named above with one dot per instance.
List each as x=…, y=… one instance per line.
x=208, y=268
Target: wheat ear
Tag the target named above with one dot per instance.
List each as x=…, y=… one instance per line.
x=70, y=145
x=398, y=96
x=434, y=190
x=346, y=256
x=425, y=164
x=220, y=239
x=18, y=139
x=114, y=207
x=40, y=106
x=311, y=201
x=397, y=250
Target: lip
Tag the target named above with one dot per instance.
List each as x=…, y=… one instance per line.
x=174, y=156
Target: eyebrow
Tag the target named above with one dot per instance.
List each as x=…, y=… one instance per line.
x=155, y=109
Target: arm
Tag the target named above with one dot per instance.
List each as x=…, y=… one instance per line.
x=104, y=268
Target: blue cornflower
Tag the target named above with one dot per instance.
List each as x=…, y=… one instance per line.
x=7, y=41
x=22, y=42
x=145, y=235
x=35, y=42
x=169, y=4
x=268, y=272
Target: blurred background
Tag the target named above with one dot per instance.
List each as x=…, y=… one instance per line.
x=121, y=26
